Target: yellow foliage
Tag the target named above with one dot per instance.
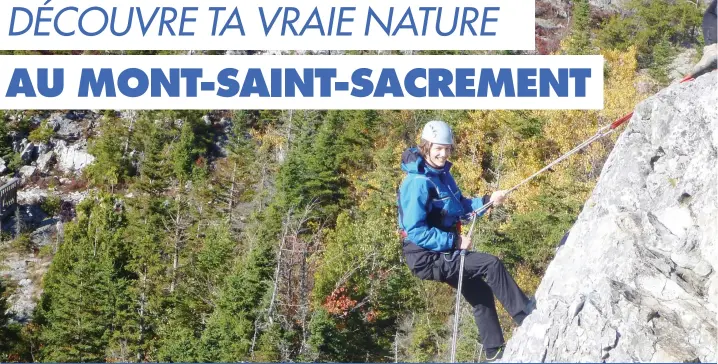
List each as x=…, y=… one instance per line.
x=270, y=140
x=620, y=93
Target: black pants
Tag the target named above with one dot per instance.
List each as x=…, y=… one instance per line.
x=484, y=276
x=709, y=24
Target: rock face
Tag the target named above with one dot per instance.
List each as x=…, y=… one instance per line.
x=72, y=158
x=637, y=278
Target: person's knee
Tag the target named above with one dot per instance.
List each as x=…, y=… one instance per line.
x=495, y=263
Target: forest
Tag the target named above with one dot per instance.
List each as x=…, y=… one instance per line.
x=254, y=235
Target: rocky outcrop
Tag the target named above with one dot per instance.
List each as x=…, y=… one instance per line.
x=46, y=161
x=683, y=64
x=608, y=5
x=64, y=127
x=23, y=271
x=637, y=278
x=28, y=152
x=620, y=5
x=72, y=158
x=27, y=172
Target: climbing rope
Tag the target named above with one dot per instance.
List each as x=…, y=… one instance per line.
x=602, y=132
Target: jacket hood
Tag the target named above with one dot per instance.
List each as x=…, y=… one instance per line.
x=413, y=162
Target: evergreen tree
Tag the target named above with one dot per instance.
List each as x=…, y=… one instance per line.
x=646, y=24
x=149, y=264
x=579, y=41
x=184, y=153
x=154, y=169
x=110, y=168
x=231, y=328
x=8, y=335
x=662, y=56
x=84, y=303
x=5, y=142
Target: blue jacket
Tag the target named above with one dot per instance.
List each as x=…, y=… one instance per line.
x=430, y=203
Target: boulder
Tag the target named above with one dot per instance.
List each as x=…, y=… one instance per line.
x=637, y=277
x=72, y=158
x=45, y=162
x=65, y=128
x=26, y=172
x=28, y=153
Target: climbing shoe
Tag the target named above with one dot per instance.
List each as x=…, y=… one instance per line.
x=493, y=354
x=530, y=306
x=708, y=62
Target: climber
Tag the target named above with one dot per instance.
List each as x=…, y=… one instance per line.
x=710, y=51
x=430, y=208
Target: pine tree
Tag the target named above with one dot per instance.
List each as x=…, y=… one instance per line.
x=8, y=336
x=149, y=264
x=110, y=168
x=5, y=142
x=184, y=154
x=579, y=41
x=154, y=169
x=84, y=302
x=662, y=56
x=233, y=329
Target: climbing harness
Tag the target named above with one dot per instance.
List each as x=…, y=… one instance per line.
x=602, y=132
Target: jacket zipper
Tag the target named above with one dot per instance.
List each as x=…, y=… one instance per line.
x=449, y=187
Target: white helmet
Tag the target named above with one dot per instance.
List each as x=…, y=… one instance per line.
x=437, y=132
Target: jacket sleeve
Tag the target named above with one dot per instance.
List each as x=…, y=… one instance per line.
x=473, y=204
x=414, y=202
x=470, y=204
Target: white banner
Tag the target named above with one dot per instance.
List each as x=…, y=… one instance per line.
x=301, y=82
x=267, y=25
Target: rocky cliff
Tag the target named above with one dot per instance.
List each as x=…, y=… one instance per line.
x=636, y=280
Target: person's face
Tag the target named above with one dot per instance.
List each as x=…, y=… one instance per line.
x=439, y=154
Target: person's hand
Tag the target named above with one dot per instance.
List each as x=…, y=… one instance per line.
x=498, y=197
x=465, y=242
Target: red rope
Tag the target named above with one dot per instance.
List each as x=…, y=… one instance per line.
x=628, y=116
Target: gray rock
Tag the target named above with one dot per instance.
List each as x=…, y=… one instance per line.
x=31, y=196
x=55, y=123
x=682, y=64
x=27, y=171
x=17, y=269
x=608, y=5
x=548, y=24
x=636, y=278
x=43, y=148
x=72, y=158
x=45, y=162
x=43, y=235
x=28, y=153
x=65, y=128
x=552, y=8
